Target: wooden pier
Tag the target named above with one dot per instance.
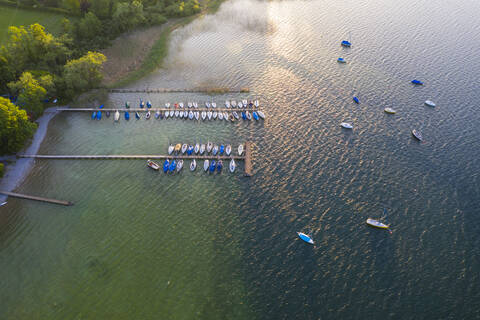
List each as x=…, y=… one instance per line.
x=153, y=110
x=248, y=162
x=193, y=90
x=24, y=196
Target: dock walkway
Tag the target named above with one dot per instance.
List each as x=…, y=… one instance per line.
x=24, y=196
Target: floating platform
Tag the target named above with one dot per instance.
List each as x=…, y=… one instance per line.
x=24, y=196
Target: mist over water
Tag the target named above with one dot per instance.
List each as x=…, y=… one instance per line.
x=143, y=245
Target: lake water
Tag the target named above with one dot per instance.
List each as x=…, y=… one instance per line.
x=144, y=245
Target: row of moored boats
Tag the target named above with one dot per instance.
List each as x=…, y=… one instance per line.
x=201, y=149
x=175, y=165
x=194, y=105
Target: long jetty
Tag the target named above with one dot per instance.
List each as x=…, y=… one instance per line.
x=167, y=90
x=24, y=196
x=154, y=109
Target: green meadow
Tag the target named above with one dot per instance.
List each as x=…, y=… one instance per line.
x=20, y=17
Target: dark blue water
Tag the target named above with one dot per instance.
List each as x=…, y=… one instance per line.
x=229, y=243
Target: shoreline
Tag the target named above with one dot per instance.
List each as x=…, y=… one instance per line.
x=15, y=173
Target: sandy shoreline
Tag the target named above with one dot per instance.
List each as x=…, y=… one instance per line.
x=15, y=173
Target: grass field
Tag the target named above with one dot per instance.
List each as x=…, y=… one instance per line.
x=20, y=17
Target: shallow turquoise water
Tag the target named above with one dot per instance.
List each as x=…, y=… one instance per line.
x=143, y=245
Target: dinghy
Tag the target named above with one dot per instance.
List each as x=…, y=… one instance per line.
x=355, y=99
x=220, y=116
x=167, y=114
x=430, y=103
x=417, y=82
x=153, y=165
x=261, y=114
x=417, y=135
x=209, y=115
x=157, y=114
x=231, y=118
x=197, y=115
x=377, y=224
x=209, y=147
x=172, y=166
x=256, y=103
x=244, y=116
x=94, y=115
x=178, y=147
x=166, y=164
x=206, y=164
x=190, y=115
x=212, y=166
x=196, y=148
x=116, y=116
x=127, y=115
x=170, y=149
x=228, y=149
x=249, y=116
x=99, y=115
x=240, y=149
x=177, y=113
x=346, y=43
x=167, y=105
x=190, y=150
x=255, y=115
x=214, y=105
x=107, y=114
x=189, y=104
x=149, y=104
x=225, y=116
x=346, y=125
x=227, y=104
x=215, y=150
x=341, y=60
x=235, y=114
x=147, y=116
x=172, y=113
x=142, y=104
x=233, y=104
x=214, y=115
x=184, y=148
x=202, y=148
x=204, y=115
x=222, y=149
x=305, y=238
x=193, y=165
x=179, y=165
x=240, y=104
x=219, y=165
x=181, y=105
x=232, y=166
x=389, y=110
x=137, y=115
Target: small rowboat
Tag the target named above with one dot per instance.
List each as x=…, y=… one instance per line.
x=376, y=224
x=178, y=147
x=430, y=103
x=116, y=116
x=389, y=110
x=341, y=60
x=346, y=43
x=417, y=82
x=417, y=135
x=240, y=149
x=305, y=238
x=346, y=125
x=153, y=165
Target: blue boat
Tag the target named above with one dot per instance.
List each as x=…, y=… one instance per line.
x=142, y=104
x=101, y=106
x=356, y=100
x=341, y=60
x=212, y=166
x=305, y=238
x=173, y=165
x=165, y=165
x=127, y=115
x=222, y=149
x=137, y=115
x=244, y=116
x=161, y=115
x=94, y=115
x=219, y=165
x=190, y=150
x=415, y=81
x=255, y=115
x=346, y=43
x=99, y=115
x=149, y=104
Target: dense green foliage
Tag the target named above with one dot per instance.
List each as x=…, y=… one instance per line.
x=15, y=128
x=1, y=169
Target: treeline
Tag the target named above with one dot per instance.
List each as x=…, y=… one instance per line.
x=36, y=66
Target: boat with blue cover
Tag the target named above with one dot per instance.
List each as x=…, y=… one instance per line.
x=341, y=60
x=94, y=115
x=137, y=115
x=222, y=149
x=244, y=116
x=142, y=104
x=127, y=115
x=255, y=115
x=172, y=166
x=346, y=43
x=166, y=165
x=149, y=104
x=219, y=165
x=418, y=82
x=99, y=115
x=305, y=238
x=190, y=150
x=356, y=100
x=212, y=166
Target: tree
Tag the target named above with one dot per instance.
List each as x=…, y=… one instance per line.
x=128, y=15
x=83, y=73
x=30, y=92
x=15, y=129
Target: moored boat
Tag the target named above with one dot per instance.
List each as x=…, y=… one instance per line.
x=214, y=115
x=149, y=104
x=228, y=149
x=166, y=164
x=430, y=103
x=261, y=114
x=232, y=165
x=184, y=148
x=147, y=116
x=196, y=148
x=305, y=238
x=116, y=116
x=137, y=115
x=209, y=146
x=220, y=116
x=193, y=165
x=248, y=114
x=204, y=115
x=107, y=114
x=206, y=164
x=190, y=150
x=225, y=116
x=377, y=224
x=178, y=147
x=417, y=135
x=170, y=149
x=202, y=148
x=256, y=103
x=127, y=115
x=417, y=82
x=179, y=165
x=255, y=115
x=172, y=166
x=153, y=165
x=346, y=125
x=215, y=150
x=346, y=43
x=389, y=110
x=157, y=114
x=341, y=60
x=94, y=115
x=212, y=166
x=240, y=149
x=222, y=149
x=235, y=114
x=127, y=105
x=209, y=115
x=219, y=165
x=99, y=115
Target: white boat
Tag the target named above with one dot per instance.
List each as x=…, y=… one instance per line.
x=193, y=165
x=215, y=150
x=207, y=104
x=249, y=115
x=172, y=113
x=255, y=103
x=157, y=114
x=245, y=102
x=179, y=165
x=233, y=104
x=116, y=117
x=225, y=115
x=204, y=115
x=195, y=105
x=240, y=149
x=153, y=165
x=209, y=147
x=181, y=114
x=196, y=148
x=346, y=125
x=240, y=104
x=228, y=149
x=389, y=110
x=232, y=165
x=171, y=148
x=220, y=116
x=214, y=115
x=180, y=105
x=167, y=105
x=190, y=115
x=305, y=238
x=227, y=104
x=147, y=116
x=202, y=148
x=261, y=114
x=377, y=224
x=206, y=164
x=417, y=135
x=214, y=105
x=177, y=113
x=184, y=147
x=430, y=103
x=235, y=114
x=197, y=115
x=189, y=104
x=209, y=115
